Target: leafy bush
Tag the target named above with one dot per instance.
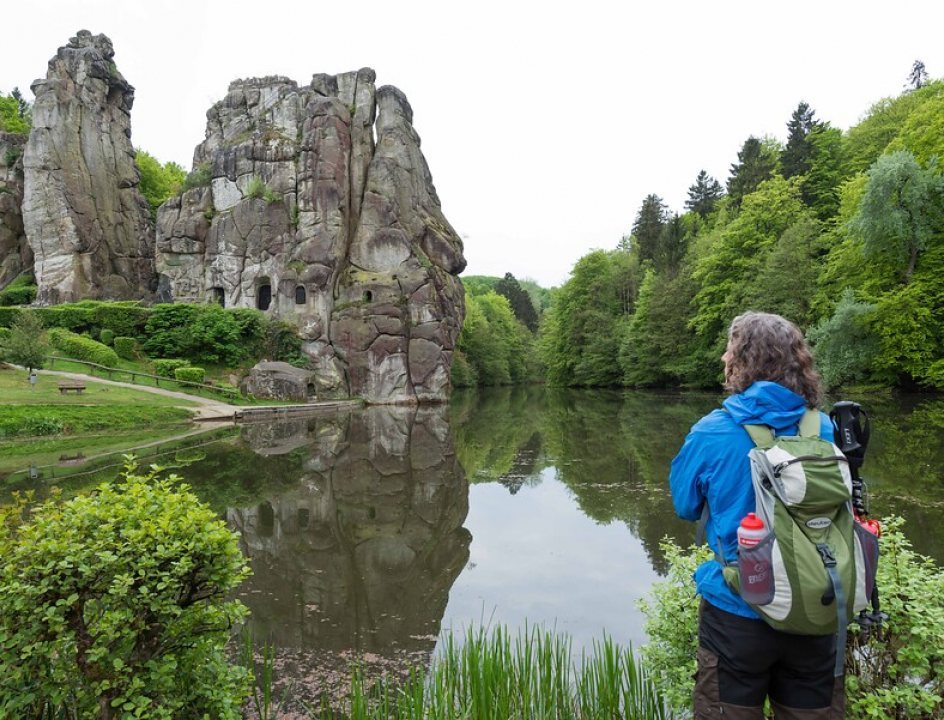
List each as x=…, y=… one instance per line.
x=8, y=316
x=115, y=604
x=205, y=333
x=255, y=188
x=200, y=176
x=26, y=343
x=168, y=367
x=158, y=182
x=126, y=348
x=190, y=374
x=894, y=674
x=79, y=347
x=106, y=337
x=22, y=291
x=844, y=348
x=462, y=373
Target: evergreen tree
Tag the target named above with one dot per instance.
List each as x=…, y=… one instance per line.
x=796, y=157
x=918, y=77
x=671, y=248
x=519, y=300
x=757, y=162
x=648, y=225
x=704, y=194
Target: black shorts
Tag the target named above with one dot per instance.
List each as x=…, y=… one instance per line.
x=743, y=661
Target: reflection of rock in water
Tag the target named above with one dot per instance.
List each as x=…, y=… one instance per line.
x=361, y=555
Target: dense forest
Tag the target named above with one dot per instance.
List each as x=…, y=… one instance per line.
x=842, y=232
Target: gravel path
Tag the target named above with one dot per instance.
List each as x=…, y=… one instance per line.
x=206, y=409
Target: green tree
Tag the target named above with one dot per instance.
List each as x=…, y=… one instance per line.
x=900, y=211
x=757, y=162
x=704, y=194
x=15, y=114
x=158, y=182
x=519, y=300
x=117, y=604
x=796, y=157
x=843, y=345
x=648, y=225
x=820, y=189
x=580, y=337
x=27, y=344
x=496, y=346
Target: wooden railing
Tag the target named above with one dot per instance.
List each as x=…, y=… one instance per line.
x=229, y=393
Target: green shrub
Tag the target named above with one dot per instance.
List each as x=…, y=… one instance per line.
x=462, y=373
x=168, y=367
x=166, y=330
x=200, y=176
x=106, y=337
x=895, y=674
x=255, y=188
x=118, y=600
x=70, y=316
x=22, y=291
x=8, y=316
x=126, y=348
x=190, y=374
x=26, y=343
x=122, y=318
x=79, y=347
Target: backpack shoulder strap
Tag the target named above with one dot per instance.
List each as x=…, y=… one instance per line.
x=760, y=434
x=810, y=424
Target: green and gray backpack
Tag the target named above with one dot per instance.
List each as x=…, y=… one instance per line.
x=822, y=562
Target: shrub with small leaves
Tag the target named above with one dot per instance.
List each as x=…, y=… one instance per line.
x=79, y=347
x=106, y=337
x=126, y=348
x=168, y=367
x=190, y=374
x=116, y=604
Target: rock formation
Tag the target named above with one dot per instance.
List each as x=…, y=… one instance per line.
x=300, y=212
x=88, y=226
x=15, y=253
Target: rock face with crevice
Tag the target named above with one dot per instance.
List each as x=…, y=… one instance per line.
x=314, y=203
x=15, y=253
x=88, y=225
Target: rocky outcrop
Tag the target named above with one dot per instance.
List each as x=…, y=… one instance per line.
x=279, y=381
x=301, y=212
x=88, y=226
x=15, y=253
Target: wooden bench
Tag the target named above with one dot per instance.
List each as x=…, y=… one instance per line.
x=76, y=386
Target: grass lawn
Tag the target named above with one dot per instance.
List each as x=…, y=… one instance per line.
x=38, y=423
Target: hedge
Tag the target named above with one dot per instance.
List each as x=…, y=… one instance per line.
x=17, y=294
x=167, y=367
x=126, y=347
x=79, y=347
x=8, y=316
x=190, y=374
x=106, y=337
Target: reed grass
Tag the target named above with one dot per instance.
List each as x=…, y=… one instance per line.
x=495, y=675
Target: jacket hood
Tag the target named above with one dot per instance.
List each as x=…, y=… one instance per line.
x=766, y=403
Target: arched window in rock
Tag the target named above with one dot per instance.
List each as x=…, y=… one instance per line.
x=218, y=296
x=301, y=297
x=368, y=296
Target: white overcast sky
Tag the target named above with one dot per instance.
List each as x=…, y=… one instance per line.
x=544, y=123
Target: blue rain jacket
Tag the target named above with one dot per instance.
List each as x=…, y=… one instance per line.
x=713, y=465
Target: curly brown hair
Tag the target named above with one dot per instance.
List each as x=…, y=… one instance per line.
x=763, y=346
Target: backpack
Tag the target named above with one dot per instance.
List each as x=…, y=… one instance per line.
x=822, y=563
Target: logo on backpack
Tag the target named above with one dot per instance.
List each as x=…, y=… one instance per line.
x=819, y=523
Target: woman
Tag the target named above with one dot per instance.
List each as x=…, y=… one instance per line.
x=769, y=370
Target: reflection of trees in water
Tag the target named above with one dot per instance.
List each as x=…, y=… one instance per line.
x=904, y=466
x=612, y=449
x=360, y=551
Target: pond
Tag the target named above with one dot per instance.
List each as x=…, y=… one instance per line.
x=371, y=530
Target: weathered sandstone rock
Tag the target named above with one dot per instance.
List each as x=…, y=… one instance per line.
x=279, y=381
x=87, y=224
x=15, y=253
x=305, y=215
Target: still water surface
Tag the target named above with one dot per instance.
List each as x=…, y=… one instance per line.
x=372, y=530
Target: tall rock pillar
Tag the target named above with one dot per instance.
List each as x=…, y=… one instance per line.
x=87, y=224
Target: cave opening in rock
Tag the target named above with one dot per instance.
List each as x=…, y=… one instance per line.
x=300, y=295
x=368, y=296
x=264, y=295
x=266, y=519
x=218, y=296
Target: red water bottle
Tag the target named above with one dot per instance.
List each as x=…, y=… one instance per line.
x=754, y=558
